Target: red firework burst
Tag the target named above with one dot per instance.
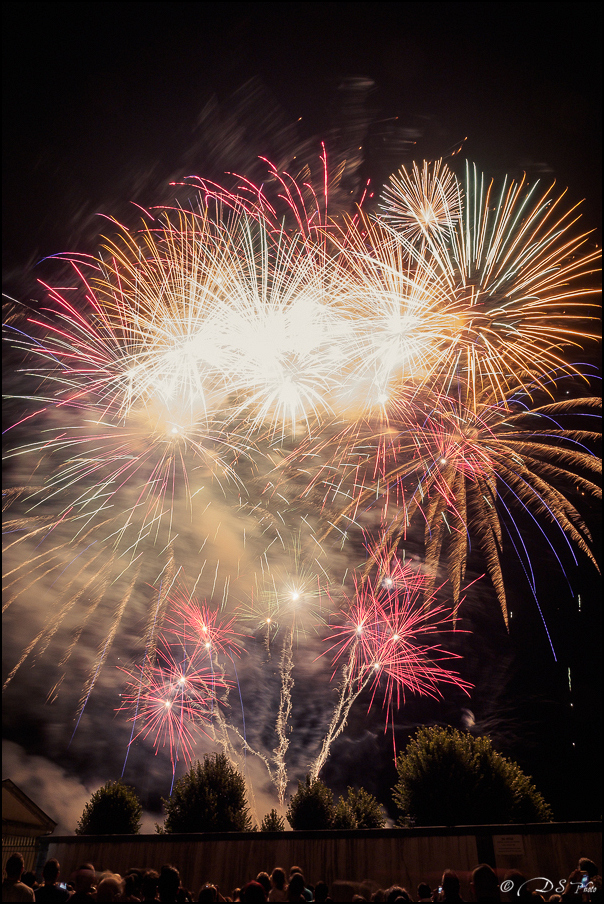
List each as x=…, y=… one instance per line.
x=390, y=636
x=171, y=702
x=197, y=625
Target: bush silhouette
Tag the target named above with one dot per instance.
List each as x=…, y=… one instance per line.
x=311, y=807
x=448, y=777
x=112, y=810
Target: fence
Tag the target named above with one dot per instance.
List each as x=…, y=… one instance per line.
x=23, y=844
x=375, y=857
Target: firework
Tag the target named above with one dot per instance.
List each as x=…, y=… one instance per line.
x=404, y=318
x=291, y=595
x=422, y=204
x=515, y=265
x=138, y=434
x=170, y=703
x=246, y=393
x=294, y=198
x=202, y=627
x=473, y=462
x=290, y=603
x=381, y=637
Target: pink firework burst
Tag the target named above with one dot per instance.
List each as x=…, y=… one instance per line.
x=197, y=625
x=170, y=702
x=405, y=653
x=389, y=636
x=348, y=636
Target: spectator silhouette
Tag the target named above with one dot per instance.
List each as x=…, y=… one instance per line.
x=450, y=886
x=588, y=866
x=517, y=888
x=132, y=886
x=109, y=889
x=395, y=892
x=424, y=893
x=50, y=893
x=484, y=885
x=295, y=889
x=83, y=883
x=168, y=884
x=322, y=895
x=253, y=893
x=149, y=885
x=588, y=872
x=265, y=882
x=306, y=892
x=13, y=889
x=208, y=894
x=278, y=892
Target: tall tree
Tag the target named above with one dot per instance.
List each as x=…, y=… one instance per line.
x=210, y=797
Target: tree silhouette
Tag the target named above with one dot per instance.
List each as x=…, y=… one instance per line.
x=112, y=810
x=272, y=822
x=343, y=816
x=448, y=777
x=365, y=808
x=210, y=797
x=311, y=807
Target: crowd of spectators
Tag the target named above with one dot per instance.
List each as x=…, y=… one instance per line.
x=87, y=886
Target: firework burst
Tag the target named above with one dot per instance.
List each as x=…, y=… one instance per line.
x=476, y=461
x=382, y=637
x=171, y=702
x=235, y=387
x=422, y=204
x=515, y=264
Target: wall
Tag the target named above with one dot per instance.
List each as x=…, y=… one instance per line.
x=378, y=857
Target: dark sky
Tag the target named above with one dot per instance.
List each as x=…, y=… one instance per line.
x=104, y=104
x=99, y=97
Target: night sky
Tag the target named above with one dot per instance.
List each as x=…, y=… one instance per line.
x=106, y=104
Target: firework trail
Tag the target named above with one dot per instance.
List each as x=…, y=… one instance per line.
x=158, y=613
x=347, y=695
x=104, y=648
x=51, y=627
x=283, y=717
x=290, y=601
